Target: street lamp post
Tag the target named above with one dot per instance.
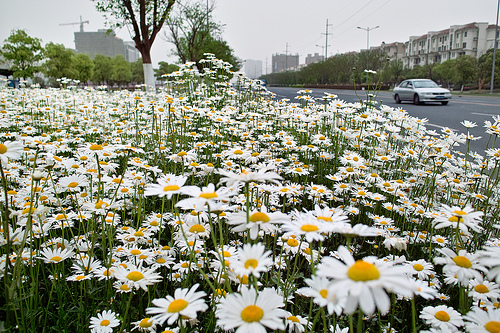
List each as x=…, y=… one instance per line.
x=495, y=46
x=368, y=46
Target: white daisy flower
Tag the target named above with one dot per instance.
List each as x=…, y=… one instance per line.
x=442, y=317
x=186, y=303
x=481, y=321
x=249, y=311
x=104, y=322
x=251, y=260
x=365, y=282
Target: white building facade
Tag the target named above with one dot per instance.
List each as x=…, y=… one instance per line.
x=435, y=47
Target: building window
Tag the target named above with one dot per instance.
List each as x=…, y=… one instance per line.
x=465, y=34
x=453, y=54
x=445, y=38
x=464, y=45
x=440, y=39
x=439, y=48
x=458, y=35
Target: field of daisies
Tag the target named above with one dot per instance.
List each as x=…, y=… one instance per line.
x=216, y=207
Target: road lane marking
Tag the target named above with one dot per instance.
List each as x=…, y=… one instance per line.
x=439, y=126
x=483, y=114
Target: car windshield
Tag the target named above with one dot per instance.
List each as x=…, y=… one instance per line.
x=425, y=84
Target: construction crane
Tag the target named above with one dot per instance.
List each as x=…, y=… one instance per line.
x=81, y=23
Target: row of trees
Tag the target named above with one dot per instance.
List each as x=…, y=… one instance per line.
x=349, y=69
x=191, y=29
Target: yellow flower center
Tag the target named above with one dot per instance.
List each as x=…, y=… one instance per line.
x=160, y=261
x=171, y=188
x=177, y=305
x=325, y=218
x=294, y=319
x=238, y=152
x=292, y=242
x=182, y=153
x=418, y=267
x=135, y=252
x=56, y=258
x=124, y=287
x=442, y=315
x=251, y=262
x=259, y=217
x=105, y=322
x=459, y=212
x=3, y=148
x=197, y=228
x=73, y=184
x=462, y=261
x=481, y=288
x=363, y=271
x=96, y=147
x=208, y=195
x=309, y=228
x=146, y=323
x=135, y=276
x=323, y=293
x=492, y=326
x=252, y=313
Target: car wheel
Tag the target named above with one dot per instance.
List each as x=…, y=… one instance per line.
x=416, y=99
x=397, y=99
x=444, y=103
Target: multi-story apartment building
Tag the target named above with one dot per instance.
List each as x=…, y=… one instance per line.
x=283, y=62
x=472, y=39
x=253, y=68
x=314, y=58
x=394, y=51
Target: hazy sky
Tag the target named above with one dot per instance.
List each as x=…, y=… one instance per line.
x=257, y=29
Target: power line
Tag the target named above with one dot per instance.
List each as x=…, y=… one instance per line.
x=347, y=19
x=355, y=24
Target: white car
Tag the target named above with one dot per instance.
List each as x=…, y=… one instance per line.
x=421, y=90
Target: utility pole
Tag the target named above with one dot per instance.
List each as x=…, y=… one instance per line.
x=286, y=56
x=492, y=82
x=266, y=65
x=368, y=46
x=326, y=39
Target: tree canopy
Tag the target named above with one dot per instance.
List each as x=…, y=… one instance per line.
x=145, y=17
x=24, y=54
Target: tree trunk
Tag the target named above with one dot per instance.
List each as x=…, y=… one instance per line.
x=149, y=75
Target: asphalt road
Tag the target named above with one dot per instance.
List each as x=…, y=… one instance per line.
x=476, y=109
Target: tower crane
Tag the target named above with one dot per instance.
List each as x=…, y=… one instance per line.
x=81, y=23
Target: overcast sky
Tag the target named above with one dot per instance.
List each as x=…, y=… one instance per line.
x=256, y=29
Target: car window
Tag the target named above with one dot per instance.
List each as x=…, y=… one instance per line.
x=426, y=84
x=403, y=84
x=410, y=85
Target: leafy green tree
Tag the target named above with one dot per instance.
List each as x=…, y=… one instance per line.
x=121, y=70
x=24, y=54
x=221, y=50
x=146, y=19
x=137, y=71
x=102, y=69
x=446, y=72
x=59, y=61
x=193, y=31
x=485, y=64
x=466, y=68
x=83, y=66
x=165, y=68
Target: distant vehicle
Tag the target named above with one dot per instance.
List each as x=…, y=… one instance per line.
x=419, y=91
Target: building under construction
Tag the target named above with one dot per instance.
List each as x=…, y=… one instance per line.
x=283, y=62
x=102, y=42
